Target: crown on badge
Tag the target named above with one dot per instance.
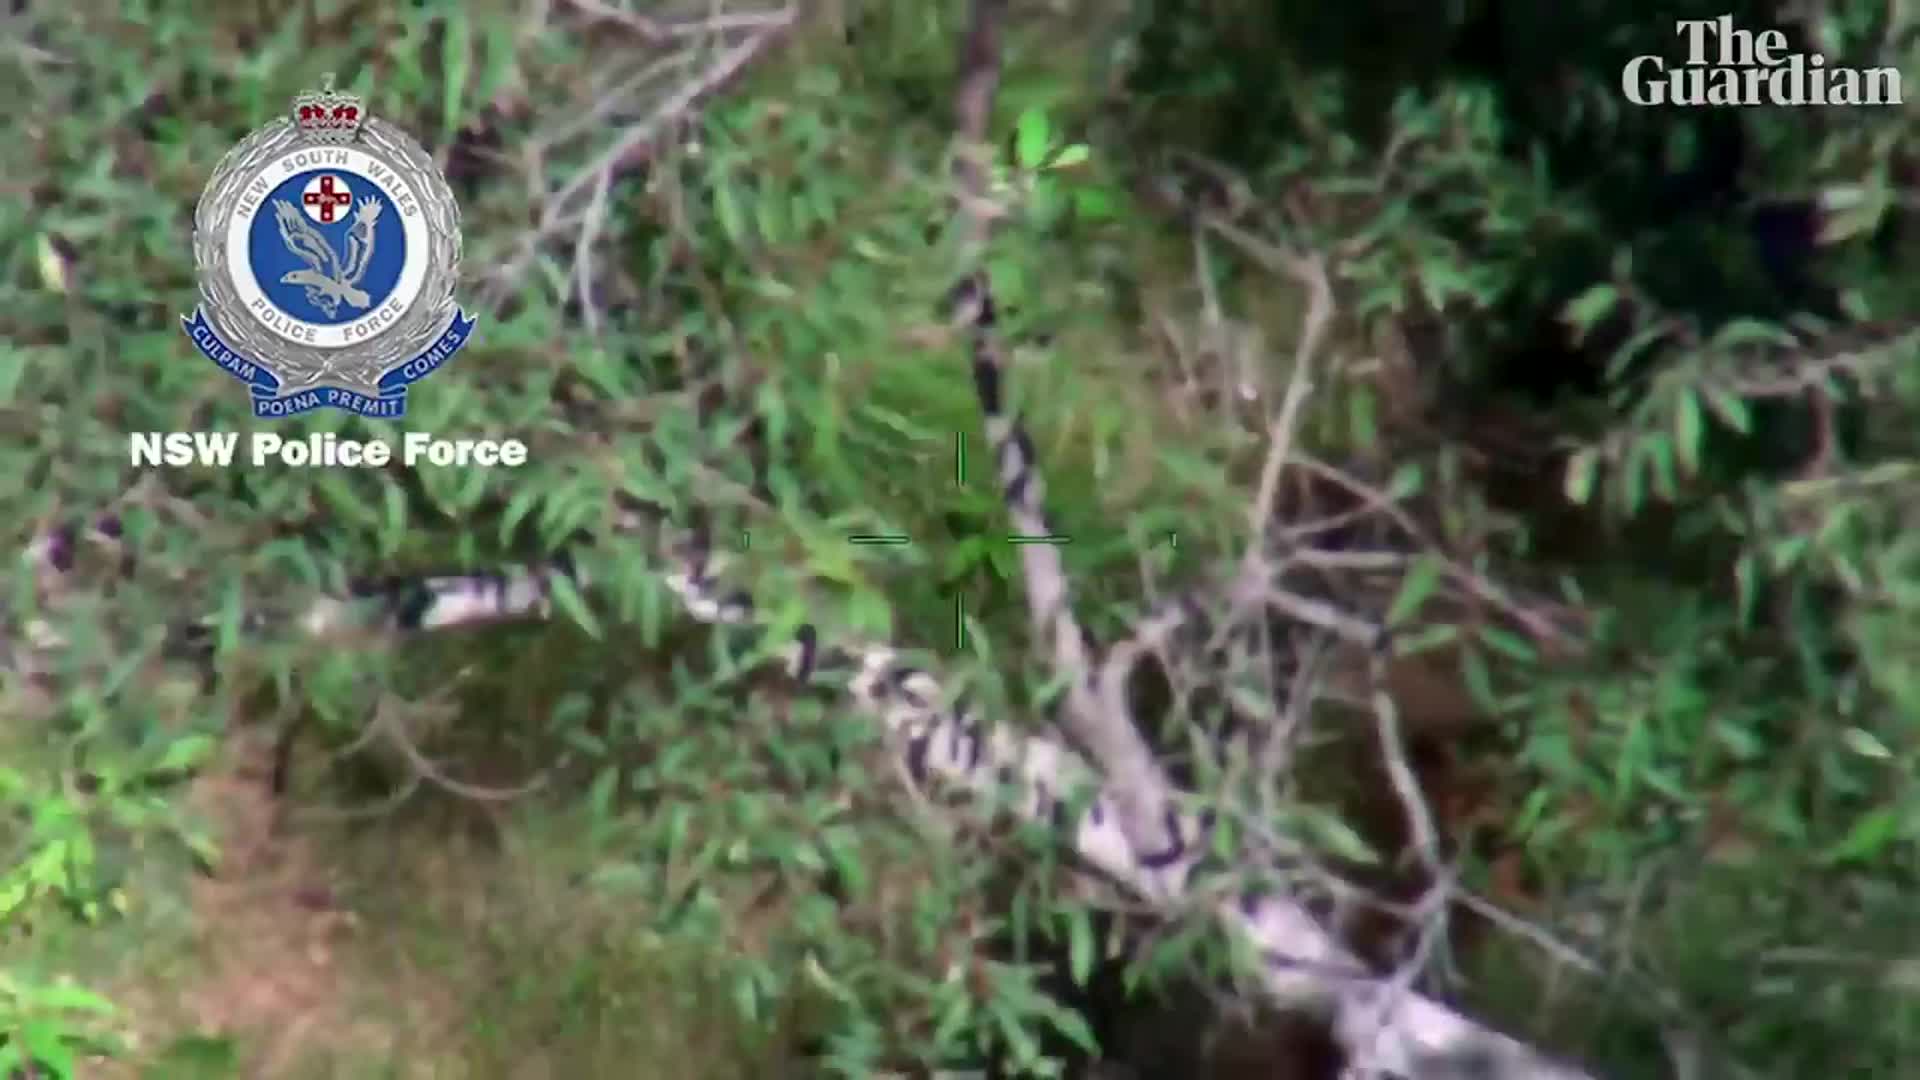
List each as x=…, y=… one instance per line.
x=328, y=115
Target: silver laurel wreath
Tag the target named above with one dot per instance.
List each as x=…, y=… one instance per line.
x=305, y=367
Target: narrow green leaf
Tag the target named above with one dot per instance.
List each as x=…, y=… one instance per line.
x=767, y=216
x=1586, y=310
x=1511, y=644
x=1415, y=588
x=1407, y=480
x=1746, y=579
x=1014, y=1030
x=1631, y=762
x=393, y=527
x=1659, y=455
x=600, y=795
x=955, y=1019
x=1071, y=1024
x=726, y=208
x=1362, y=416
x=1079, y=946
x=1866, y=744
x=1070, y=156
x=1868, y=837
x=1739, y=332
x=1031, y=138
x=746, y=998
x=66, y=997
x=184, y=753
x=1688, y=430
x=1473, y=669
x=456, y=64
x=1582, y=468
x=568, y=599
x=1337, y=837
x=843, y=855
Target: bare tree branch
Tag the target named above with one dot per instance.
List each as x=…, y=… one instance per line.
x=559, y=207
x=1151, y=846
x=1144, y=795
x=657, y=31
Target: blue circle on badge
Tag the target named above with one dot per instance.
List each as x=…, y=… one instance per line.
x=327, y=247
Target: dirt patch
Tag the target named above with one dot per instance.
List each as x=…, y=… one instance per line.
x=276, y=946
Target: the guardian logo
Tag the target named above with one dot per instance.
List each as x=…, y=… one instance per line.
x=1726, y=65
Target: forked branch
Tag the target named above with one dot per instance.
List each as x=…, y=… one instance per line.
x=1385, y=1029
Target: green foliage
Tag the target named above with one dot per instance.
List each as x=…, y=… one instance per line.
x=1719, y=797
x=788, y=262
x=61, y=857
x=48, y=1027
x=1732, y=775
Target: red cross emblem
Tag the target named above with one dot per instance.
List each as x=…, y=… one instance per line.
x=325, y=196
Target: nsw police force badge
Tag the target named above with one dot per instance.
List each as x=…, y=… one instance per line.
x=328, y=247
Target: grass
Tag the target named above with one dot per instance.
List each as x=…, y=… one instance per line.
x=403, y=948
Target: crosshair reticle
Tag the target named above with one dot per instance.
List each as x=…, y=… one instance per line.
x=901, y=539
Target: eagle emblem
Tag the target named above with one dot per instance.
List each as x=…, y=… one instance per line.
x=330, y=275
